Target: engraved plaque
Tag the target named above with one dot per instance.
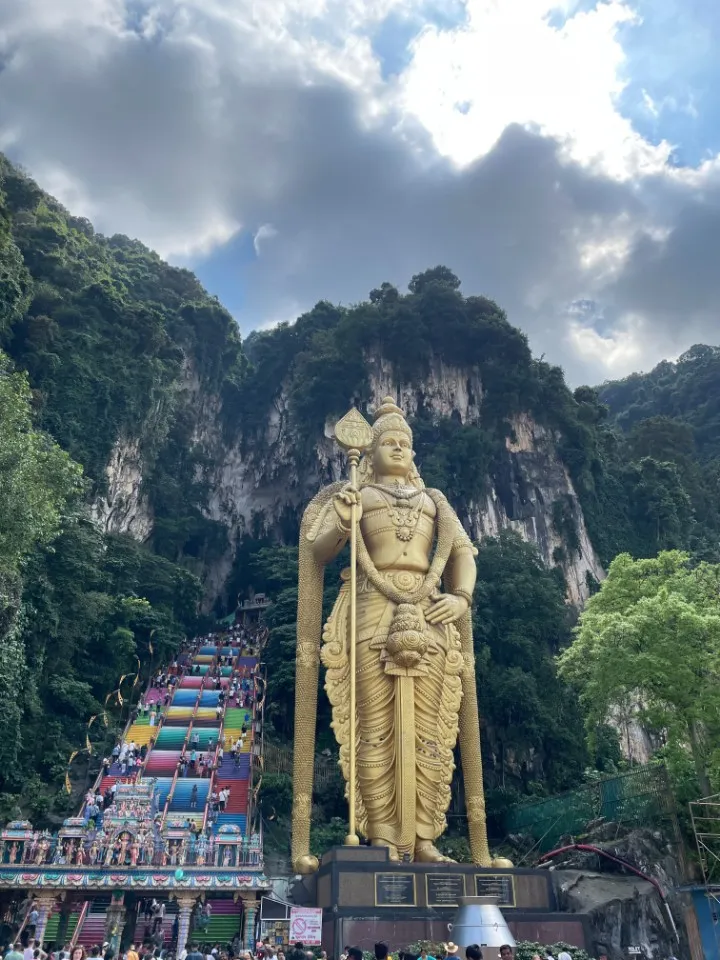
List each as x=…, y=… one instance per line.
x=395, y=890
x=496, y=885
x=444, y=889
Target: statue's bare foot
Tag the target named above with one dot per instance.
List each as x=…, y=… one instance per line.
x=426, y=852
x=392, y=850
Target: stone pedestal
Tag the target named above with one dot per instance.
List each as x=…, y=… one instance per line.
x=366, y=898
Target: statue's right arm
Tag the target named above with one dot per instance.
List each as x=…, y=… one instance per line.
x=330, y=532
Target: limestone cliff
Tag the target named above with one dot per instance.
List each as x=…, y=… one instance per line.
x=123, y=506
x=258, y=482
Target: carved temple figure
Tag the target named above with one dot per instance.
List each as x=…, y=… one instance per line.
x=43, y=848
x=415, y=674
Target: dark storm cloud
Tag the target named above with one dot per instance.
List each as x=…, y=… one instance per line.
x=175, y=137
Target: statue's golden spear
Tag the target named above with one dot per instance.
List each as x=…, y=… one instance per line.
x=354, y=434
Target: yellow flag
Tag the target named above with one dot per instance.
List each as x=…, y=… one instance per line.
x=68, y=786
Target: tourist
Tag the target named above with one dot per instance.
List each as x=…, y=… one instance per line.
x=473, y=952
x=507, y=954
x=355, y=953
x=14, y=953
x=424, y=955
x=451, y=949
x=78, y=953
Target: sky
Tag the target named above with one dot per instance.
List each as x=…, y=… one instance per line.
x=560, y=156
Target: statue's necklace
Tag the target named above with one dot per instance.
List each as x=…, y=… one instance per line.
x=404, y=516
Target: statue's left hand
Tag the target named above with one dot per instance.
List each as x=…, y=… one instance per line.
x=446, y=608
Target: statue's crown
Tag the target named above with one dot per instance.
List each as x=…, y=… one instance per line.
x=389, y=416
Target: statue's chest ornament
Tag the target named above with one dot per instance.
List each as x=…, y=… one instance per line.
x=405, y=506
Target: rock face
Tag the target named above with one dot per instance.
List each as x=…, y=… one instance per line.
x=124, y=508
x=623, y=912
x=258, y=483
x=624, y=909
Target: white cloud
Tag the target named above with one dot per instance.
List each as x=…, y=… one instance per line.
x=499, y=150
x=617, y=354
x=265, y=232
x=510, y=64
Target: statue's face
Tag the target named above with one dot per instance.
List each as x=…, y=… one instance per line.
x=393, y=455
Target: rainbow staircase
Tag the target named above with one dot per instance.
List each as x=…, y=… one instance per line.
x=224, y=923
x=195, y=720
x=92, y=931
x=53, y=925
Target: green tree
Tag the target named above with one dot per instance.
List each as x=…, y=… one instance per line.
x=650, y=639
x=531, y=719
x=38, y=480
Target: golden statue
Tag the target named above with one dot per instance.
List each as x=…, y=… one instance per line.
x=414, y=688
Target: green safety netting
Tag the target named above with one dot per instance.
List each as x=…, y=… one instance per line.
x=640, y=797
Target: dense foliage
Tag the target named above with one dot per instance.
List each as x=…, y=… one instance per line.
x=655, y=474
x=687, y=392
x=648, y=643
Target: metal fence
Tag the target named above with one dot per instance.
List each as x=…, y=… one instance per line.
x=277, y=759
x=640, y=797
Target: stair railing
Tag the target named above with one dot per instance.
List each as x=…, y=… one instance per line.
x=78, y=925
x=256, y=708
x=221, y=729
x=173, y=785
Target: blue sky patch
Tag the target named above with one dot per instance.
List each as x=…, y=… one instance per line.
x=673, y=74
x=221, y=273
